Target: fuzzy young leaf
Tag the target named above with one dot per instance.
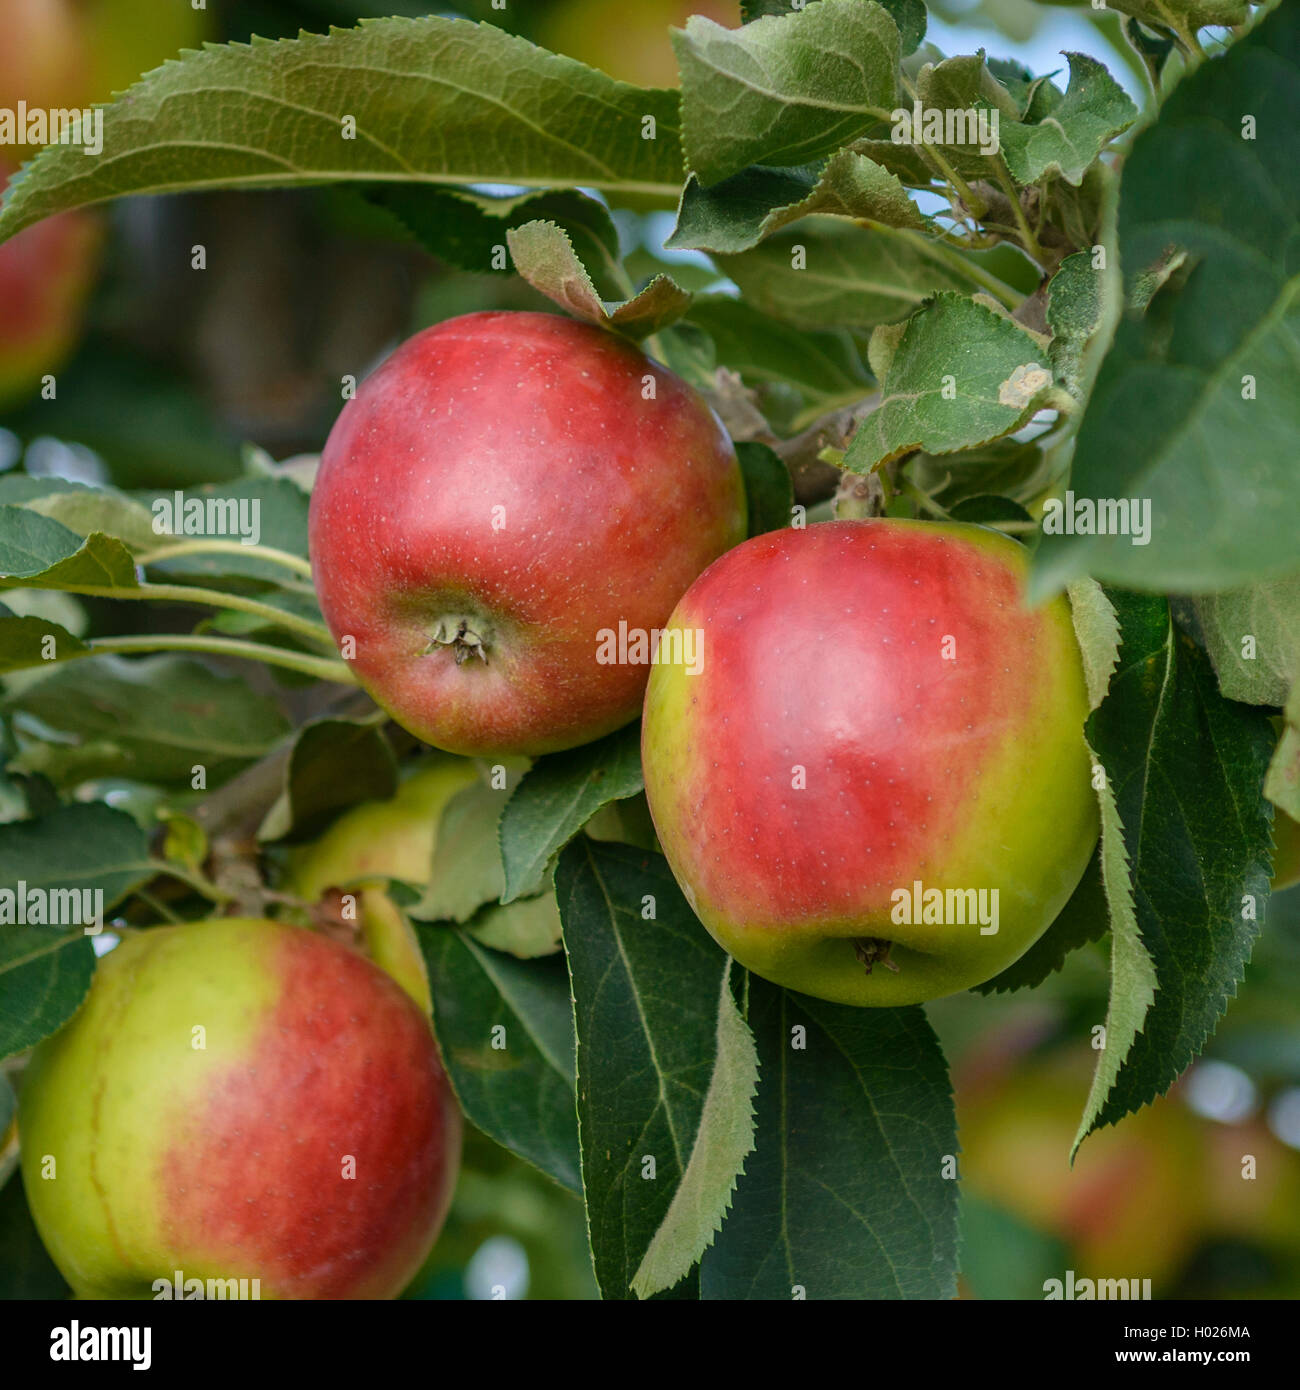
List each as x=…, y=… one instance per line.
x=784, y=91
x=466, y=870
x=1253, y=638
x=544, y=256
x=741, y=211
x=466, y=229
x=961, y=375
x=1074, y=314
x=1074, y=131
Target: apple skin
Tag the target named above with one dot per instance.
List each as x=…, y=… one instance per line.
x=226, y=1162
x=822, y=649
x=502, y=469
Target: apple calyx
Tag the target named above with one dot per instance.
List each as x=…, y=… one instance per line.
x=872, y=949
x=454, y=631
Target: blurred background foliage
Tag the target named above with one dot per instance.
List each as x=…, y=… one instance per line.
x=164, y=376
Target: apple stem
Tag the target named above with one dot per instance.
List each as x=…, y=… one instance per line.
x=871, y=950
x=456, y=633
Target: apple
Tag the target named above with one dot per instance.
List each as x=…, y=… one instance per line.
x=629, y=41
x=369, y=846
x=46, y=274
x=381, y=840
x=504, y=496
x=880, y=747
x=1286, y=851
x=239, y=1099
x=128, y=38
x=44, y=59
x=1135, y=1199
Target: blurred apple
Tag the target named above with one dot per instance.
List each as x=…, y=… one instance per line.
x=1133, y=1204
x=1286, y=850
x=128, y=38
x=46, y=274
x=43, y=57
x=628, y=41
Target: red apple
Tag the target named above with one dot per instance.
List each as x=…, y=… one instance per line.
x=503, y=492
x=46, y=272
x=44, y=58
x=239, y=1099
x=876, y=718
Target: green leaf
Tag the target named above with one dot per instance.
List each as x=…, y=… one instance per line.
x=557, y=797
x=25, y=642
x=26, y=1272
x=1186, y=15
x=1011, y=468
x=828, y=275
x=1084, y=918
x=960, y=376
x=150, y=719
x=844, y=1196
x=1194, y=409
x=82, y=509
x=664, y=1077
x=467, y=868
x=466, y=229
x=1096, y=625
x=544, y=256
x=275, y=510
x=45, y=973
x=39, y=553
x=434, y=101
x=1185, y=766
x=823, y=366
x=505, y=1030
x=1253, y=638
x=741, y=211
x=783, y=91
x=1073, y=131
x=726, y=1136
x=334, y=764
x=527, y=927
x=769, y=493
